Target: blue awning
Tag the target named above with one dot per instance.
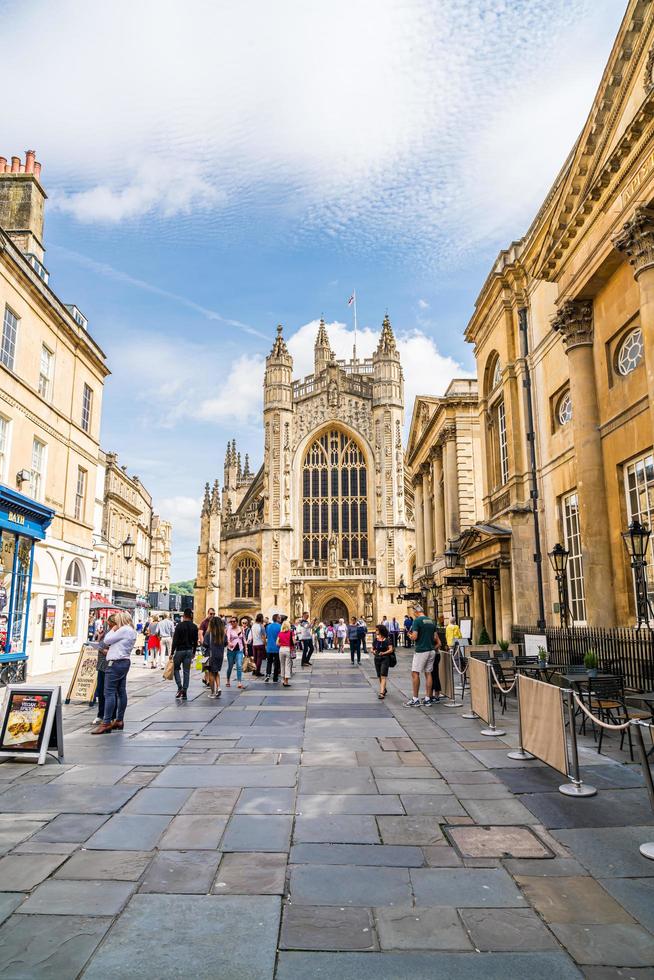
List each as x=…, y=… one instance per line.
x=23, y=515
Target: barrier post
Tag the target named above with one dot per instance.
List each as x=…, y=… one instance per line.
x=452, y=702
x=491, y=730
x=576, y=787
x=471, y=715
x=519, y=753
x=647, y=850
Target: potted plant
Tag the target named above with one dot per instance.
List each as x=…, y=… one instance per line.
x=484, y=638
x=590, y=663
x=542, y=657
x=504, y=645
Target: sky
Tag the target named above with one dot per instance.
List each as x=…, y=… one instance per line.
x=215, y=167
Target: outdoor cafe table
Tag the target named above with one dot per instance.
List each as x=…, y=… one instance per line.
x=546, y=670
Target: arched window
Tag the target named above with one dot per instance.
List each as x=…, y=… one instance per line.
x=247, y=578
x=334, y=499
x=564, y=410
x=74, y=575
x=496, y=377
x=73, y=587
x=630, y=352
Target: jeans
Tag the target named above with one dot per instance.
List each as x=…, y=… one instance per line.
x=234, y=657
x=99, y=693
x=115, y=690
x=307, y=650
x=259, y=657
x=436, y=681
x=182, y=658
x=355, y=649
x=272, y=663
x=321, y=644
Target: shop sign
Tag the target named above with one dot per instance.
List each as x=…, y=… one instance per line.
x=31, y=722
x=85, y=676
x=16, y=518
x=48, y=620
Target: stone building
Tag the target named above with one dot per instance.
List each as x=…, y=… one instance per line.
x=160, y=554
x=127, y=516
x=51, y=385
x=326, y=523
x=580, y=284
x=444, y=460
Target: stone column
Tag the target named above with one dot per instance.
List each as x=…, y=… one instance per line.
x=420, y=525
x=428, y=509
x=575, y=324
x=448, y=437
x=477, y=608
x=506, y=601
x=437, y=490
x=636, y=240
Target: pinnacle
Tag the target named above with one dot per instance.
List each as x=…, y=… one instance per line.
x=387, y=343
x=279, y=345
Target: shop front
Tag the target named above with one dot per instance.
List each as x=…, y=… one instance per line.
x=23, y=522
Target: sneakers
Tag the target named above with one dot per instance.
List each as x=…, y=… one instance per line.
x=413, y=703
x=179, y=694
x=267, y=679
x=426, y=701
x=436, y=699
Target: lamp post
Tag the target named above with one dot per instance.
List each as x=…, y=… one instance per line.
x=636, y=540
x=451, y=556
x=558, y=557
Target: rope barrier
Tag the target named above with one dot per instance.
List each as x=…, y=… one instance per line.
x=602, y=724
x=455, y=665
x=504, y=690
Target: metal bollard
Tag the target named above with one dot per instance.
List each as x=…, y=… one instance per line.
x=647, y=850
x=576, y=787
x=491, y=730
x=519, y=753
x=453, y=703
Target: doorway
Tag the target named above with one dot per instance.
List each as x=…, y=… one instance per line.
x=333, y=610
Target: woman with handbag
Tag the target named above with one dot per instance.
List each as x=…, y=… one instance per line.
x=214, y=646
x=235, y=645
x=382, y=646
x=286, y=652
x=258, y=644
x=118, y=643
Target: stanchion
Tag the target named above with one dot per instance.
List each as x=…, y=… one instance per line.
x=647, y=850
x=491, y=730
x=576, y=786
x=519, y=753
x=452, y=701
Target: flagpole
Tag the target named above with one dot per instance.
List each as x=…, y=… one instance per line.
x=354, y=293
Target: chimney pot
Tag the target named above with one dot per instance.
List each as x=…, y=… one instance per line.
x=30, y=156
x=37, y=169
x=22, y=168
x=3, y=163
x=15, y=165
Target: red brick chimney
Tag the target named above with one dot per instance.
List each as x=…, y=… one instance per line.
x=22, y=201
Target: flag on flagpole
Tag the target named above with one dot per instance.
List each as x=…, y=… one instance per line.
x=351, y=299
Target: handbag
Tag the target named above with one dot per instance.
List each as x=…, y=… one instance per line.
x=392, y=659
x=248, y=664
x=169, y=670
x=198, y=661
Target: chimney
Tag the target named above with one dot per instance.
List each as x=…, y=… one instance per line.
x=22, y=201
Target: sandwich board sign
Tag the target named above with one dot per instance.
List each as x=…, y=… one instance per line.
x=31, y=723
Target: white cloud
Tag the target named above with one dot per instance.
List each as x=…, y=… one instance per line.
x=423, y=304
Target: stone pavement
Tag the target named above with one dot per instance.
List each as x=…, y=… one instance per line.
x=316, y=833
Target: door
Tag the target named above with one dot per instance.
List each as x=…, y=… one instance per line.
x=333, y=610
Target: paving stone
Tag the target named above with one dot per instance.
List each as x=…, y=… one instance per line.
x=420, y=928
x=400, y=744
x=211, y=801
x=636, y=895
x=317, y=805
x=14, y=829
x=465, y=888
x=543, y=780
x=354, y=885
x=223, y=946
x=8, y=902
x=122, y=752
x=503, y=841
x=130, y=832
x=53, y=946
x=181, y=872
x=500, y=812
x=22, y=872
x=610, y=852
x=573, y=900
x=421, y=966
x=337, y=829
x=380, y=855
x=454, y=762
x=346, y=760
x=319, y=927
x=109, y=865
x=54, y=798
x=511, y=930
x=193, y=832
x=618, y=973
x=251, y=874
x=608, y=944
x=341, y=781
x=43, y=847
x=152, y=800
x=490, y=791
x=77, y=898
x=434, y=787
x=554, y=868
x=437, y=856
x=610, y=808
x=197, y=777
x=70, y=828
x=257, y=833
x=254, y=801
x=430, y=804
x=410, y=830
x=406, y=772
x=106, y=775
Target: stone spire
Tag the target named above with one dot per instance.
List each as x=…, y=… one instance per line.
x=279, y=348
x=215, y=497
x=386, y=343
x=323, y=353
x=232, y=459
x=206, y=503
x=246, y=471
x=239, y=467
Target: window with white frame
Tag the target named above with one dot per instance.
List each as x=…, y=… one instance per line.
x=639, y=488
x=9, y=335
x=4, y=446
x=80, y=494
x=575, y=570
x=38, y=468
x=87, y=401
x=45, y=372
x=630, y=352
x=502, y=445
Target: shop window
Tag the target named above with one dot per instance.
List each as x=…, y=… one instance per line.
x=9, y=336
x=14, y=591
x=630, y=352
x=564, y=409
x=639, y=489
x=575, y=571
x=72, y=591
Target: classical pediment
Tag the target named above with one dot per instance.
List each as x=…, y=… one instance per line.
x=424, y=408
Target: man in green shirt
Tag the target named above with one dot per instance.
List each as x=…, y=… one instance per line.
x=425, y=638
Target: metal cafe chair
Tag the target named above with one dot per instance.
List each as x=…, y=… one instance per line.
x=606, y=698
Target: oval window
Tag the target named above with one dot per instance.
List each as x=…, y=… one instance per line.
x=565, y=409
x=630, y=351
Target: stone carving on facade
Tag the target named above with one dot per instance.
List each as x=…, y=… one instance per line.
x=333, y=555
x=649, y=72
x=447, y=433
x=574, y=322
x=636, y=239
x=333, y=394
x=423, y=420
x=368, y=587
x=297, y=599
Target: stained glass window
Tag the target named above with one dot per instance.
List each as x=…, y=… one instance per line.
x=335, y=499
x=247, y=578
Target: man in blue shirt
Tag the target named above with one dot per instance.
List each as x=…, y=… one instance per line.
x=272, y=650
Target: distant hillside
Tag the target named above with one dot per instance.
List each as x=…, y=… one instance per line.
x=182, y=588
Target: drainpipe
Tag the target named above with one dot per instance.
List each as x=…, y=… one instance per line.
x=531, y=440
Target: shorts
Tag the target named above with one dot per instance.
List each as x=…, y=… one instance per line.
x=423, y=662
x=382, y=665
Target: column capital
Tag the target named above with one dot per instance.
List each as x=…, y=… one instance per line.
x=436, y=452
x=636, y=240
x=447, y=433
x=416, y=481
x=425, y=469
x=574, y=322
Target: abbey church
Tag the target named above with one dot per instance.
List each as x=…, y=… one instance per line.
x=326, y=524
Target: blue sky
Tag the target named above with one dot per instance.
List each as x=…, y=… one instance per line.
x=215, y=167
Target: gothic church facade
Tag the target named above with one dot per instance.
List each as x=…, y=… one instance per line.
x=326, y=524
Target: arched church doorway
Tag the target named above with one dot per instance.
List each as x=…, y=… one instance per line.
x=333, y=610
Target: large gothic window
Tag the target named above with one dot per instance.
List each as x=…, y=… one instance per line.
x=247, y=578
x=334, y=499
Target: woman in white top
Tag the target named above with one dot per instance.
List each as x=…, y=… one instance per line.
x=341, y=633
x=118, y=642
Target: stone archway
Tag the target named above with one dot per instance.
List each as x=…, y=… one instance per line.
x=333, y=610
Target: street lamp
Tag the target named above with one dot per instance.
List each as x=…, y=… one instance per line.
x=558, y=557
x=636, y=540
x=128, y=547
x=451, y=556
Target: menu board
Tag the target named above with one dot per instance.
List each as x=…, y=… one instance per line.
x=23, y=726
x=85, y=676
